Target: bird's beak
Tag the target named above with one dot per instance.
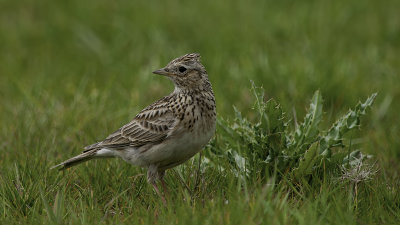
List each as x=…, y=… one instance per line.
x=162, y=71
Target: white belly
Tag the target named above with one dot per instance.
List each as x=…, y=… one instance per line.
x=167, y=154
x=175, y=151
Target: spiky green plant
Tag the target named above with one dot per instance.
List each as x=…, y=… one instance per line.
x=256, y=148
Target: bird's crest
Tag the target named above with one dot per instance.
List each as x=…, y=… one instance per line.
x=187, y=58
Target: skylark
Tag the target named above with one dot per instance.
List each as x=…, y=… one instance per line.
x=167, y=132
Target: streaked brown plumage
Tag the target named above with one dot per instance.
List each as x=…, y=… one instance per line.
x=167, y=132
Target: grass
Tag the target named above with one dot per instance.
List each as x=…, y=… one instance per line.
x=73, y=71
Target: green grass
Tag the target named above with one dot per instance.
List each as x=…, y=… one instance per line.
x=73, y=71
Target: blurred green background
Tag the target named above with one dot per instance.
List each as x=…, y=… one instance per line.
x=73, y=71
x=57, y=53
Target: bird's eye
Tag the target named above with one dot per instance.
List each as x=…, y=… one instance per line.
x=182, y=69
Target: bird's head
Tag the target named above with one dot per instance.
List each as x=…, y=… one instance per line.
x=186, y=72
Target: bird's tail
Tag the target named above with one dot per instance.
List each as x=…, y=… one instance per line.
x=85, y=156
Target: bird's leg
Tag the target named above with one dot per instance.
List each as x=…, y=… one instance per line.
x=152, y=175
x=164, y=185
x=159, y=193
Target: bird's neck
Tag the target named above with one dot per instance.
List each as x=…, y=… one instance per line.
x=178, y=91
x=192, y=90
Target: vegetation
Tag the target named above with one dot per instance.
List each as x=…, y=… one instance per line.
x=74, y=71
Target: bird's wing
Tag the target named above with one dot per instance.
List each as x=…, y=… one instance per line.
x=151, y=125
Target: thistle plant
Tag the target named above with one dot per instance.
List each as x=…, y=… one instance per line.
x=269, y=145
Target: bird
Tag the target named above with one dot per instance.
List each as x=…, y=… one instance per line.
x=168, y=132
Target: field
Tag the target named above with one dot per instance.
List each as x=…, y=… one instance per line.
x=71, y=72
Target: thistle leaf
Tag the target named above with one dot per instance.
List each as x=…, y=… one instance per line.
x=308, y=131
x=307, y=162
x=334, y=136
